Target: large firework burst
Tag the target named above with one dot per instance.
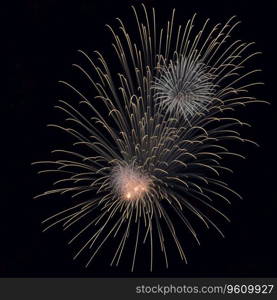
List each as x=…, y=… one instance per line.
x=151, y=141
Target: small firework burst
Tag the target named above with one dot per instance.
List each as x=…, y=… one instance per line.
x=156, y=145
x=184, y=87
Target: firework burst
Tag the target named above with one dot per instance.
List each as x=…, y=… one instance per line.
x=154, y=147
x=184, y=88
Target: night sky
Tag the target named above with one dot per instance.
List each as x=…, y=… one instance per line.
x=42, y=42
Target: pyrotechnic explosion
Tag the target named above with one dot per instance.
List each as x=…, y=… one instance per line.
x=157, y=143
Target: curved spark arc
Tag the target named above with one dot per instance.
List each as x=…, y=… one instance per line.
x=179, y=154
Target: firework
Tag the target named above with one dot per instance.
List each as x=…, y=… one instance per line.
x=151, y=142
x=184, y=88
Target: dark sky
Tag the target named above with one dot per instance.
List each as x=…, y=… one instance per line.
x=43, y=39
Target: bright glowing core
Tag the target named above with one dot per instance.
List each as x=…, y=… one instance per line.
x=130, y=183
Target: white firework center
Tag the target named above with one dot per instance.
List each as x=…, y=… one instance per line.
x=184, y=86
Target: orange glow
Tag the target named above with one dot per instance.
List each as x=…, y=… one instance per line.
x=131, y=184
x=134, y=188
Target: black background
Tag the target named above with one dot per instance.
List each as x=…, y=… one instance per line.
x=43, y=37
